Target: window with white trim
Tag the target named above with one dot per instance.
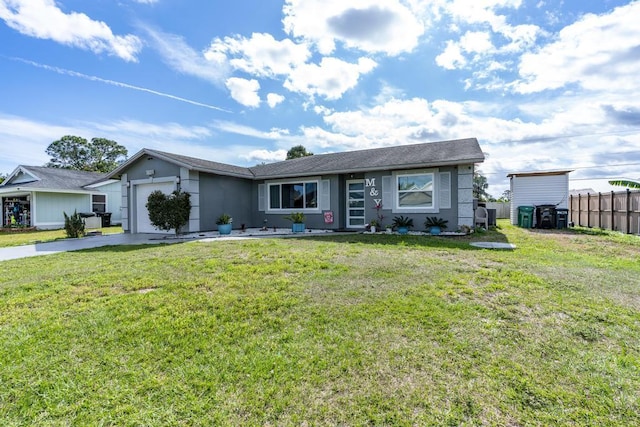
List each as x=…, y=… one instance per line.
x=415, y=191
x=99, y=203
x=293, y=196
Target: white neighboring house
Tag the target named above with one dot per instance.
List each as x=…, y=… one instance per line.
x=536, y=188
x=36, y=196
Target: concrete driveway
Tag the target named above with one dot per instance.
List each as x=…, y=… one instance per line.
x=66, y=245
x=88, y=242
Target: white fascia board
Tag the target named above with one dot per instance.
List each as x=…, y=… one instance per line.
x=43, y=190
x=102, y=183
x=16, y=171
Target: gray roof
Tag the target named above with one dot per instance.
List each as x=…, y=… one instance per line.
x=55, y=179
x=431, y=154
x=192, y=163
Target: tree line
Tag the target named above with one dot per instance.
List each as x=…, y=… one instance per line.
x=74, y=152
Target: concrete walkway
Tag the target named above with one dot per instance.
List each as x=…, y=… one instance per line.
x=88, y=242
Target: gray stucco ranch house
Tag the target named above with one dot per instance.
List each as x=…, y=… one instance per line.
x=336, y=191
x=37, y=196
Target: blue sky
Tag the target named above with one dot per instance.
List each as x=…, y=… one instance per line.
x=542, y=84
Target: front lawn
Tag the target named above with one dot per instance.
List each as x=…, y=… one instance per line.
x=18, y=238
x=328, y=330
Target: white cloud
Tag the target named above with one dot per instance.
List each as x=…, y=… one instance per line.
x=386, y=26
x=330, y=79
x=452, y=57
x=143, y=130
x=44, y=20
x=476, y=42
x=593, y=52
x=274, y=99
x=322, y=110
x=35, y=136
x=266, y=156
x=489, y=37
x=211, y=67
x=244, y=91
x=479, y=11
x=261, y=55
x=238, y=129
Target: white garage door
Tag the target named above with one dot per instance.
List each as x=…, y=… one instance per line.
x=142, y=194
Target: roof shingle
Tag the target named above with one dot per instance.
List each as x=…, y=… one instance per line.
x=57, y=179
x=432, y=154
x=388, y=158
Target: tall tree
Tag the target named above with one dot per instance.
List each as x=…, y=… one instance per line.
x=480, y=186
x=298, y=151
x=106, y=154
x=2, y=177
x=69, y=152
x=74, y=152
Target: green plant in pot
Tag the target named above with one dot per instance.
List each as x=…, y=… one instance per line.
x=297, y=219
x=402, y=224
x=224, y=222
x=435, y=225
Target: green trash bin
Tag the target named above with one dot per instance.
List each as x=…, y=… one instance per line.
x=525, y=216
x=562, y=218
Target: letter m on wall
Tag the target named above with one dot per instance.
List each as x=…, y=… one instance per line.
x=370, y=182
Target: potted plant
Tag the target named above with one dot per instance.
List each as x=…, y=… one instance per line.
x=402, y=224
x=373, y=225
x=297, y=219
x=435, y=225
x=389, y=228
x=225, y=223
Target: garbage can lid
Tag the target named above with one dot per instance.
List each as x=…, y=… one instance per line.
x=526, y=208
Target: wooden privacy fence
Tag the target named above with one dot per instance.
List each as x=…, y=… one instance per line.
x=619, y=211
x=503, y=209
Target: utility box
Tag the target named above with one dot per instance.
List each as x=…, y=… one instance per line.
x=525, y=216
x=92, y=222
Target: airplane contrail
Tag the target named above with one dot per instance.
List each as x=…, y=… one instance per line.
x=64, y=71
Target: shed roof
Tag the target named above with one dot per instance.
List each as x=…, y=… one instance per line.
x=541, y=173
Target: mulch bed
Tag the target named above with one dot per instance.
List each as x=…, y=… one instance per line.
x=16, y=229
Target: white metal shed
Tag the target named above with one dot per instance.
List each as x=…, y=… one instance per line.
x=538, y=188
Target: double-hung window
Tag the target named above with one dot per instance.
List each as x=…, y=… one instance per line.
x=415, y=191
x=293, y=195
x=99, y=203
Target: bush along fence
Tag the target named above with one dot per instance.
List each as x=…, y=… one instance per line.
x=618, y=211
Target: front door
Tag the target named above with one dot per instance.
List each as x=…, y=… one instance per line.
x=355, y=203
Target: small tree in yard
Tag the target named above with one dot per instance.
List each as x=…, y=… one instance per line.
x=169, y=212
x=73, y=225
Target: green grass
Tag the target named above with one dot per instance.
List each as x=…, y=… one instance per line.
x=16, y=238
x=331, y=330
